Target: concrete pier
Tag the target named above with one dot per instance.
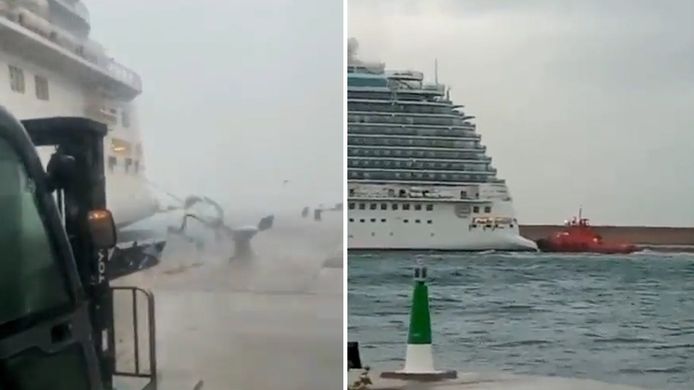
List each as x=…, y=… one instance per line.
x=482, y=381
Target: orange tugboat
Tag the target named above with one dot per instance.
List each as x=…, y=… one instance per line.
x=578, y=236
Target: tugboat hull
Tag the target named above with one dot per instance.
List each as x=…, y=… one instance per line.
x=579, y=237
x=547, y=245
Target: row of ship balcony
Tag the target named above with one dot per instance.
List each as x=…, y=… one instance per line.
x=465, y=126
x=371, y=118
x=414, y=108
x=392, y=100
x=387, y=94
x=424, y=173
x=371, y=112
x=435, y=143
x=392, y=82
x=412, y=164
x=419, y=176
x=460, y=141
x=381, y=151
x=413, y=131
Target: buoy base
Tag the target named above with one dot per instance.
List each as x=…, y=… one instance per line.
x=434, y=376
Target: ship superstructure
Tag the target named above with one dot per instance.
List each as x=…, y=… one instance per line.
x=418, y=174
x=49, y=67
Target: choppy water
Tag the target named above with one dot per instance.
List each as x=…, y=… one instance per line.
x=619, y=319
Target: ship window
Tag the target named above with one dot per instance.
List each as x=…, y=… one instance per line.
x=429, y=221
x=476, y=209
x=41, y=85
x=511, y=226
x=17, y=79
x=406, y=220
x=362, y=220
x=417, y=221
x=128, y=163
x=125, y=118
x=384, y=206
x=395, y=206
x=430, y=207
x=463, y=194
x=383, y=220
x=111, y=163
x=373, y=219
x=488, y=209
x=351, y=192
x=417, y=206
x=373, y=206
x=351, y=220
x=406, y=206
x=362, y=206
x=351, y=206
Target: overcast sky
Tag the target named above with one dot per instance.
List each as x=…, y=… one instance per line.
x=580, y=102
x=238, y=95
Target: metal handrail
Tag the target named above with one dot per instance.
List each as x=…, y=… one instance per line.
x=151, y=322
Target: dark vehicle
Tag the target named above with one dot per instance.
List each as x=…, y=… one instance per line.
x=56, y=304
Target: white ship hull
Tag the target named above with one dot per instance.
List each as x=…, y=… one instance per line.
x=419, y=177
x=438, y=229
x=70, y=92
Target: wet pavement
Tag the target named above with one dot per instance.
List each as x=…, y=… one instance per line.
x=271, y=322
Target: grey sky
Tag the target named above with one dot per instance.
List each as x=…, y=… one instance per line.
x=238, y=95
x=579, y=101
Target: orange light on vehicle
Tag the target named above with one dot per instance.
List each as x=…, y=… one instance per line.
x=98, y=215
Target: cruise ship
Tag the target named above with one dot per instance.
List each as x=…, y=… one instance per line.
x=50, y=67
x=419, y=177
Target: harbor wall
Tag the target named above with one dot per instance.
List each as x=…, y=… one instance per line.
x=640, y=235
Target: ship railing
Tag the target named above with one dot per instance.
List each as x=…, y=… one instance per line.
x=123, y=74
x=72, y=43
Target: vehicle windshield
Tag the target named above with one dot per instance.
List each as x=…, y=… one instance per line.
x=30, y=281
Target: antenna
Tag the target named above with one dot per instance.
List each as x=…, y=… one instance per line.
x=436, y=71
x=580, y=212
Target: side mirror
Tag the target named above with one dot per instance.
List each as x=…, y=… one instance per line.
x=61, y=169
x=102, y=229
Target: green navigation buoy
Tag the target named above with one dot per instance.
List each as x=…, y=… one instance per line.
x=419, y=361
